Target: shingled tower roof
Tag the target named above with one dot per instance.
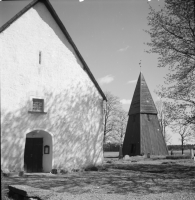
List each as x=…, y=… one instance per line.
x=142, y=101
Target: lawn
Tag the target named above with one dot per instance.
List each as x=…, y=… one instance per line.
x=115, y=154
x=138, y=178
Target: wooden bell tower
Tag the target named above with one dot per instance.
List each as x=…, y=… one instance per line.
x=143, y=132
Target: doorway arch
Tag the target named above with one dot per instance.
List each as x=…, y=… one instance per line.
x=35, y=159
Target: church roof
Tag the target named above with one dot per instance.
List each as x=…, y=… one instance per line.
x=63, y=29
x=142, y=101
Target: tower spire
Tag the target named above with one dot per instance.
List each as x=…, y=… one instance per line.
x=142, y=101
x=140, y=62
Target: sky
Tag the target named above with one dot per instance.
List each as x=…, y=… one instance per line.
x=110, y=36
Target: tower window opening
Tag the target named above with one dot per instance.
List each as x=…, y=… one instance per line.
x=149, y=117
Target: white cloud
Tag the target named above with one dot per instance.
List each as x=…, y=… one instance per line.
x=124, y=49
x=81, y=0
x=132, y=81
x=106, y=79
x=125, y=101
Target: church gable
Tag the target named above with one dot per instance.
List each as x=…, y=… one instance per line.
x=40, y=25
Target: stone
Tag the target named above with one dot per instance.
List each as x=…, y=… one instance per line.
x=54, y=171
x=21, y=173
x=91, y=168
x=126, y=157
x=63, y=171
x=5, y=172
x=30, y=192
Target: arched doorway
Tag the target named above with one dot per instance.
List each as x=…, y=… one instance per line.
x=38, y=152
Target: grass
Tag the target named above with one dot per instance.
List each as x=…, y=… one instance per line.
x=176, y=153
x=4, y=188
x=121, y=178
x=144, y=176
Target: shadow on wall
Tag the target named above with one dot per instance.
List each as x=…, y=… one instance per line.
x=74, y=117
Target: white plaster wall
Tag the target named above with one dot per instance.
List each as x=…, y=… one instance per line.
x=72, y=102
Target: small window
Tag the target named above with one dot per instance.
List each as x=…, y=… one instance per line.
x=38, y=105
x=149, y=117
x=39, y=57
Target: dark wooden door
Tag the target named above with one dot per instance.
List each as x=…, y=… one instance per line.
x=33, y=154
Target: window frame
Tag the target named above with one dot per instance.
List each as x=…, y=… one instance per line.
x=37, y=101
x=32, y=101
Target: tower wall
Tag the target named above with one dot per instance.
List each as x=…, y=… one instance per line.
x=131, y=145
x=152, y=140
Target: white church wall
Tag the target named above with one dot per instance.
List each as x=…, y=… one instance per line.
x=73, y=104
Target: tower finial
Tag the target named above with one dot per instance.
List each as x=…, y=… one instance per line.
x=140, y=65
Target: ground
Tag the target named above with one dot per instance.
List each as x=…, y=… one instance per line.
x=136, y=178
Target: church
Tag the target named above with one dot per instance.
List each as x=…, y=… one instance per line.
x=51, y=104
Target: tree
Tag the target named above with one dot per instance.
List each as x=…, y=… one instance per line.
x=185, y=133
x=120, y=124
x=110, y=109
x=172, y=35
x=115, y=120
x=164, y=117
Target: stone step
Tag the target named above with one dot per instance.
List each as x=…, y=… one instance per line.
x=25, y=192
